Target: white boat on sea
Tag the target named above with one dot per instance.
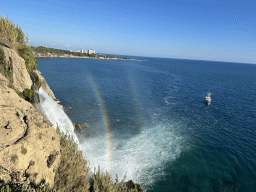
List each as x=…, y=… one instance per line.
x=208, y=98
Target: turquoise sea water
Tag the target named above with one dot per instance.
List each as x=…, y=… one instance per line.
x=148, y=119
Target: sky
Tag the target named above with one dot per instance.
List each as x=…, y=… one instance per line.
x=217, y=30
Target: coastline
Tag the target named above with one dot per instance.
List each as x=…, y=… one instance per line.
x=80, y=57
x=44, y=52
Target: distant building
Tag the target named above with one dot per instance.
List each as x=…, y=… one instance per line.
x=91, y=51
x=81, y=50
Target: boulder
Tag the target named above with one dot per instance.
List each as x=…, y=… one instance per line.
x=79, y=127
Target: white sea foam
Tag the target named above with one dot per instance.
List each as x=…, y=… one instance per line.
x=141, y=158
x=55, y=114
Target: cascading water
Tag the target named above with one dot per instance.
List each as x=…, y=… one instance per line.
x=55, y=114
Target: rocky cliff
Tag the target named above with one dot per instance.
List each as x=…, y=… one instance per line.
x=29, y=145
x=16, y=64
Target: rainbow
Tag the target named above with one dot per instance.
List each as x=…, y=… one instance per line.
x=105, y=120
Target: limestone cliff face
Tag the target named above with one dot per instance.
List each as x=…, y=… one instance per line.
x=29, y=145
x=21, y=78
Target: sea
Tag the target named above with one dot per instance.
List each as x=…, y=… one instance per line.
x=148, y=120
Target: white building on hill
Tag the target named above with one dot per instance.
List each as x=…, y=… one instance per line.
x=91, y=51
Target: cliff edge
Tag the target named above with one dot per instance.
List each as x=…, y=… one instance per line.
x=29, y=145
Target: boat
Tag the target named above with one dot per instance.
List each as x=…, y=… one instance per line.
x=208, y=98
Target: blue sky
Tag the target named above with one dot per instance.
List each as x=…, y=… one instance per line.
x=219, y=30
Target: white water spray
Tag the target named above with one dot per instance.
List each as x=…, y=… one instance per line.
x=141, y=158
x=55, y=114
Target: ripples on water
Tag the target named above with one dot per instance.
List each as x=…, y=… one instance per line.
x=162, y=134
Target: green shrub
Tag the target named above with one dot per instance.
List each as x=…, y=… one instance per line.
x=27, y=54
x=31, y=163
x=8, y=74
x=73, y=168
x=23, y=150
x=18, y=92
x=40, y=135
x=2, y=58
x=29, y=95
x=14, y=158
x=103, y=182
x=3, y=64
x=12, y=187
x=36, y=81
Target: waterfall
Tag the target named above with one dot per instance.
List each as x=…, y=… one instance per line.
x=49, y=108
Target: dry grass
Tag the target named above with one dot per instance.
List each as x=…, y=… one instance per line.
x=11, y=34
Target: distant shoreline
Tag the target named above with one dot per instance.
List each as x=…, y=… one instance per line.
x=86, y=57
x=44, y=52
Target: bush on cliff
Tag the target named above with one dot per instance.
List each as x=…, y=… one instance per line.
x=4, y=69
x=2, y=58
x=30, y=96
x=73, y=169
x=13, y=36
x=36, y=81
x=14, y=187
x=26, y=53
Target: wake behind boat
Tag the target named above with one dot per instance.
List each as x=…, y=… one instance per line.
x=208, y=98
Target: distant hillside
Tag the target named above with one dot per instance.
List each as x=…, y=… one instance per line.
x=41, y=51
x=44, y=50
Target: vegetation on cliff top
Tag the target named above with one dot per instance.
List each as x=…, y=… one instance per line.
x=12, y=36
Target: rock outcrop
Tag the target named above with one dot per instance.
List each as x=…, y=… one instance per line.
x=21, y=78
x=29, y=145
